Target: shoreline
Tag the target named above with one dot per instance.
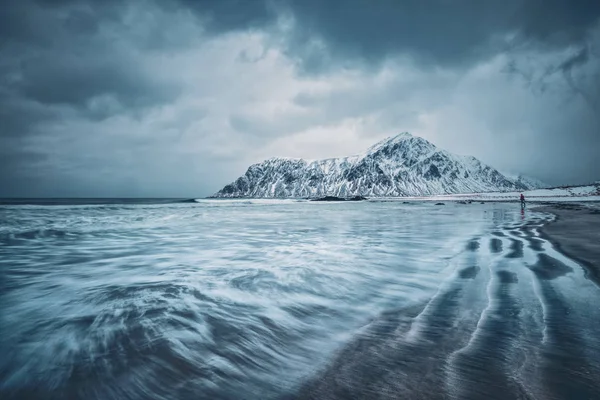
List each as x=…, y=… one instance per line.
x=575, y=232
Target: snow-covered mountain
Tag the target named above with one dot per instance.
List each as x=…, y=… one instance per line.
x=402, y=165
x=527, y=181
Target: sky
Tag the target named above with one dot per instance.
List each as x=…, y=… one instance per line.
x=158, y=98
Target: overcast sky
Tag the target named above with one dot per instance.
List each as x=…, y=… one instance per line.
x=149, y=98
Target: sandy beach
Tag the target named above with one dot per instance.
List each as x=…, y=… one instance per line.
x=576, y=233
x=528, y=342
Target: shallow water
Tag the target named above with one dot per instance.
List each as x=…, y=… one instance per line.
x=264, y=299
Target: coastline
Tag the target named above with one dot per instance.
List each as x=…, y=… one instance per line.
x=575, y=232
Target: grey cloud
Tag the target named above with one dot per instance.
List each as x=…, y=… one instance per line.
x=327, y=35
x=43, y=22
x=568, y=68
x=579, y=58
x=81, y=63
x=60, y=62
x=432, y=32
x=579, y=68
x=227, y=15
x=557, y=22
x=20, y=115
x=397, y=100
x=435, y=32
x=75, y=79
x=66, y=60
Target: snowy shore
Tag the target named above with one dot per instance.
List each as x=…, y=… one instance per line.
x=587, y=193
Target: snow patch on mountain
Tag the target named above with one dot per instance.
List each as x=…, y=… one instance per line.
x=527, y=181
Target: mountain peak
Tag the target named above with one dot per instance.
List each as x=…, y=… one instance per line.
x=403, y=138
x=392, y=139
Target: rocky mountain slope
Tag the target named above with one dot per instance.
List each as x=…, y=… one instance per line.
x=402, y=165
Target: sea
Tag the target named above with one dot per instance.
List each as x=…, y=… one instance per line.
x=271, y=299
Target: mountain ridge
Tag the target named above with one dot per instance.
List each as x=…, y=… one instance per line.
x=400, y=165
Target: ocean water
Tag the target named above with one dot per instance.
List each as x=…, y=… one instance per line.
x=235, y=299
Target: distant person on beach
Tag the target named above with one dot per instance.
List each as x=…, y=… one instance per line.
x=522, y=200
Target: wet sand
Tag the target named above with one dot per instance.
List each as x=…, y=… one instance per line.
x=517, y=320
x=576, y=233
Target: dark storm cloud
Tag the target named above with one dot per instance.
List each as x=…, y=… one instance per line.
x=58, y=63
x=556, y=22
x=43, y=22
x=80, y=62
x=73, y=80
x=18, y=114
x=220, y=16
x=590, y=92
x=436, y=32
x=55, y=55
x=56, y=52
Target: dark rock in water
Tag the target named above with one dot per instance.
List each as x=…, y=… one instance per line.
x=357, y=198
x=328, y=198
x=405, y=202
x=483, y=202
x=439, y=204
x=187, y=201
x=335, y=198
